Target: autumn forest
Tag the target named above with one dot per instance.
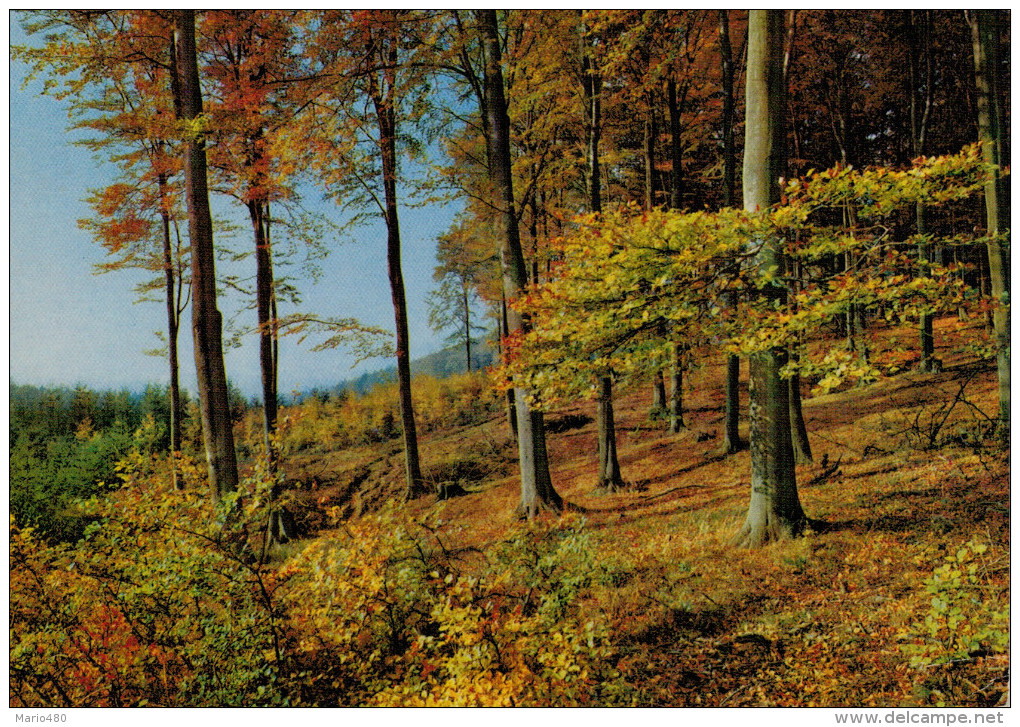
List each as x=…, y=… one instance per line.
x=739, y=286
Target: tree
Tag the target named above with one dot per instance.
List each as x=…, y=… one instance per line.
x=206, y=319
x=373, y=89
x=537, y=491
x=993, y=134
x=116, y=71
x=731, y=441
x=774, y=511
x=460, y=266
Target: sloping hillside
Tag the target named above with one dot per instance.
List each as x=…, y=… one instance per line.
x=904, y=478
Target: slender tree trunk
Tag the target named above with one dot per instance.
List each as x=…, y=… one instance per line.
x=798, y=427
x=537, y=491
x=609, y=465
x=676, y=392
x=172, y=327
x=207, y=322
x=928, y=361
x=511, y=399
x=386, y=116
x=732, y=441
x=649, y=152
x=467, y=324
x=775, y=510
x=798, y=432
x=658, y=382
x=920, y=110
x=263, y=305
x=729, y=147
x=676, y=148
x=993, y=133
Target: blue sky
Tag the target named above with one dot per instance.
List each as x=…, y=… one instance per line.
x=69, y=326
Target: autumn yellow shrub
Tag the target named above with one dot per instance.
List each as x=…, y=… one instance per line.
x=165, y=601
x=388, y=616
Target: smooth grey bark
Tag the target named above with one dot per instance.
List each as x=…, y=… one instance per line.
x=537, y=491
x=993, y=133
x=206, y=319
x=774, y=511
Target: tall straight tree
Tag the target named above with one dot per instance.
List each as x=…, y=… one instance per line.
x=537, y=491
x=993, y=133
x=921, y=92
x=206, y=319
x=775, y=511
x=371, y=90
x=383, y=53
x=731, y=441
x=119, y=86
x=609, y=477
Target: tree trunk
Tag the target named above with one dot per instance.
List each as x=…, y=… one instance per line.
x=732, y=441
x=386, y=116
x=263, y=305
x=729, y=148
x=537, y=491
x=992, y=132
x=928, y=362
x=920, y=110
x=676, y=149
x=676, y=393
x=207, y=322
x=658, y=395
x=798, y=428
x=774, y=511
x=172, y=327
x=467, y=325
x=658, y=383
x=609, y=465
x=609, y=478
x=511, y=402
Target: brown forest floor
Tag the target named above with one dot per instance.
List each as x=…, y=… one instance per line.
x=817, y=621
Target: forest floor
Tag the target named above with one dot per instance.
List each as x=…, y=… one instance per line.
x=904, y=476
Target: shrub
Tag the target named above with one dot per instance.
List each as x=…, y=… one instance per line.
x=391, y=618
x=967, y=621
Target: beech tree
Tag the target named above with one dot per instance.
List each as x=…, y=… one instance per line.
x=731, y=440
x=993, y=134
x=116, y=71
x=774, y=511
x=206, y=319
x=537, y=491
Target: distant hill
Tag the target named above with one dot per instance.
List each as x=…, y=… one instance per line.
x=441, y=364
